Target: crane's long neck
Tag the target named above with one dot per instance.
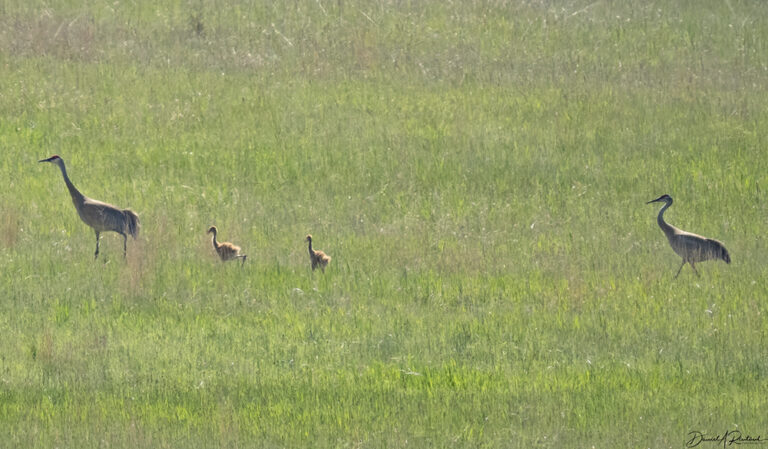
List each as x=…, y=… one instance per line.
x=215, y=243
x=666, y=227
x=77, y=197
x=310, y=247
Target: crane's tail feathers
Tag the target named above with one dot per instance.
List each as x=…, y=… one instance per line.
x=725, y=256
x=132, y=220
x=717, y=249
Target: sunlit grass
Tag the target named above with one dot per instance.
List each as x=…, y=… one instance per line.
x=477, y=171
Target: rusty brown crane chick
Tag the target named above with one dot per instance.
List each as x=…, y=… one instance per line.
x=227, y=251
x=691, y=247
x=317, y=257
x=99, y=216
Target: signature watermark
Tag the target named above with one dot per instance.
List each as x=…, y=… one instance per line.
x=729, y=438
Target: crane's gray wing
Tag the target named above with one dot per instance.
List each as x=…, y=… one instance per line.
x=716, y=250
x=696, y=248
x=102, y=216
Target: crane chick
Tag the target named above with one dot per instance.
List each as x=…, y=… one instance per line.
x=317, y=257
x=691, y=247
x=226, y=250
x=99, y=216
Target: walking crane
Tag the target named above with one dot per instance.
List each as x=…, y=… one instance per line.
x=100, y=216
x=226, y=251
x=691, y=247
x=317, y=257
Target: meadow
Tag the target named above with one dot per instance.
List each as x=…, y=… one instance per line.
x=477, y=170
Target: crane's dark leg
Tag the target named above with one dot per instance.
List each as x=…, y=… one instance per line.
x=679, y=269
x=243, y=261
x=96, y=254
x=694, y=270
x=125, y=245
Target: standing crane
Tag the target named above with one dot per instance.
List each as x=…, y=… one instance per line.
x=227, y=251
x=100, y=216
x=691, y=247
x=317, y=257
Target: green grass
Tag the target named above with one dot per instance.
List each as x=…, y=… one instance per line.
x=477, y=171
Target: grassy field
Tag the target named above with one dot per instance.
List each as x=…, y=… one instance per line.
x=477, y=170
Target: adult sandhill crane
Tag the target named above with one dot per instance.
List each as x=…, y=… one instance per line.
x=317, y=257
x=227, y=251
x=691, y=247
x=99, y=216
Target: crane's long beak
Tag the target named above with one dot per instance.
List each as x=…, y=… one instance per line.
x=45, y=160
x=656, y=200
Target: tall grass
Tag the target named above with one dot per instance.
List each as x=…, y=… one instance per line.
x=477, y=171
